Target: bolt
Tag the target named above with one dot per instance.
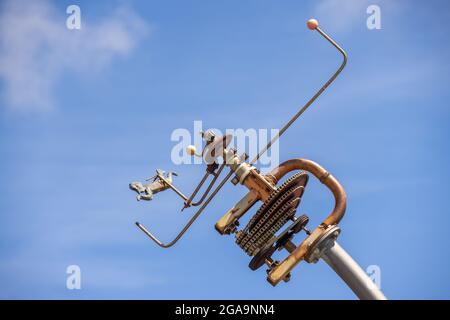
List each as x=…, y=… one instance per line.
x=287, y=277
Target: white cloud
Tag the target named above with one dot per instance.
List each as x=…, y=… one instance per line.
x=36, y=48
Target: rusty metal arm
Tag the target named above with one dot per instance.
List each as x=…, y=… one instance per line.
x=191, y=221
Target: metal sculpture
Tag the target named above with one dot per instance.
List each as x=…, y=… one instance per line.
x=263, y=234
x=159, y=183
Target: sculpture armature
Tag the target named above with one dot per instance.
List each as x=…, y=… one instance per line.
x=159, y=183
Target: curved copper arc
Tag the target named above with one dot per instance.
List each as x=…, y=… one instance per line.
x=299, y=253
x=325, y=177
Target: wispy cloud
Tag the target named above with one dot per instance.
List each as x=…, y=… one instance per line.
x=36, y=48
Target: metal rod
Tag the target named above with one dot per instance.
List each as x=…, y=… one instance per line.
x=352, y=274
x=208, y=189
x=318, y=93
x=188, y=202
x=186, y=227
x=197, y=189
x=171, y=186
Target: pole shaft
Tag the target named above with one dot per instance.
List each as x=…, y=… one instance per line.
x=352, y=274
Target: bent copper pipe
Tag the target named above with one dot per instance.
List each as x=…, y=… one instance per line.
x=298, y=254
x=325, y=177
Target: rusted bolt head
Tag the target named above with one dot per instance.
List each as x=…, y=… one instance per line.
x=287, y=277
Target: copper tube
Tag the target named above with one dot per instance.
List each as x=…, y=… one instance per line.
x=325, y=177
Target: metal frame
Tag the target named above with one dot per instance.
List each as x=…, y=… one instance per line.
x=319, y=244
x=188, y=201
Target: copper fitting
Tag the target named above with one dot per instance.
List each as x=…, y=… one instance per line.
x=325, y=177
x=281, y=271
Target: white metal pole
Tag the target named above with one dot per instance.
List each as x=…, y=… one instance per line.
x=352, y=274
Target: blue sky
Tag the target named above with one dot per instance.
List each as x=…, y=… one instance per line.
x=84, y=112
